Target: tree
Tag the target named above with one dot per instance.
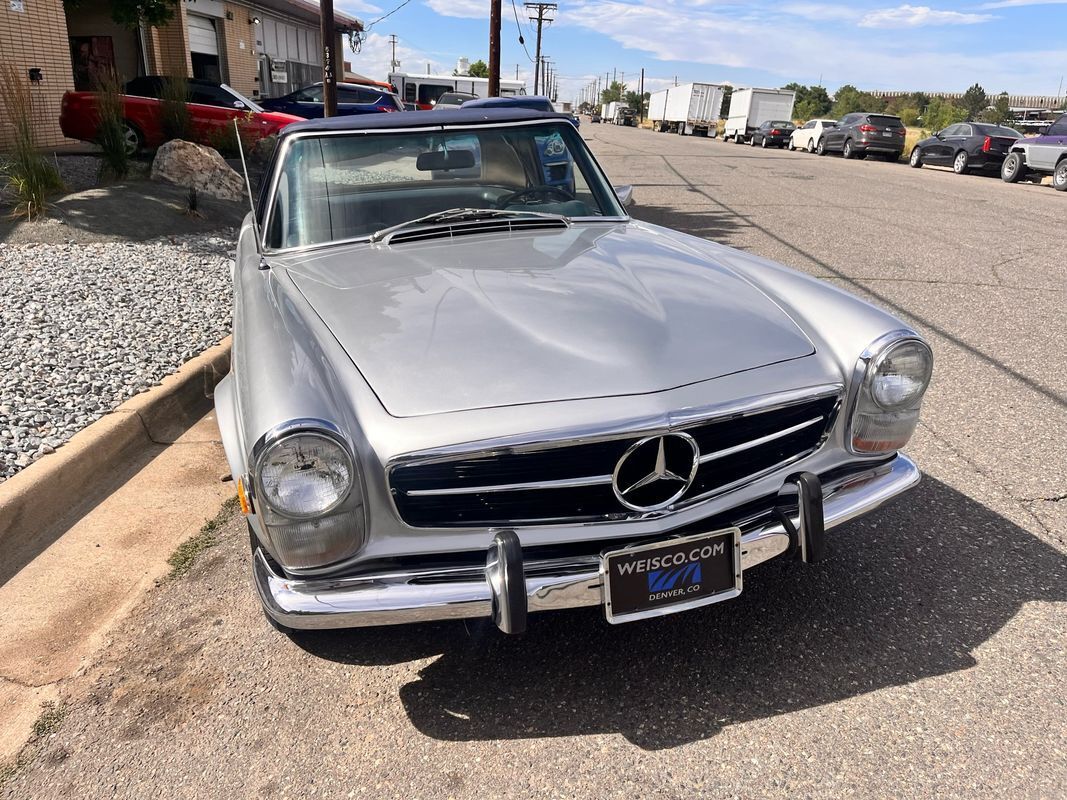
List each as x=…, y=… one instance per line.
x=974, y=101
x=811, y=101
x=1000, y=112
x=479, y=69
x=909, y=115
x=131, y=13
x=849, y=100
x=727, y=93
x=637, y=102
x=941, y=113
x=612, y=93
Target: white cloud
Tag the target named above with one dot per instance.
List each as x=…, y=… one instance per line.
x=372, y=61
x=1021, y=3
x=823, y=12
x=358, y=8
x=906, y=16
x=802, y=51
x=471, y=9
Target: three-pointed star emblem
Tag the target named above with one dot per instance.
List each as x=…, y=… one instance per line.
x=659, y=471
x=656, y=471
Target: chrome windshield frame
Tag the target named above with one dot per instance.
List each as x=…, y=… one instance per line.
x=430, y=127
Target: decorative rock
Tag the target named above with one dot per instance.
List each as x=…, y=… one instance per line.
x=197, y=167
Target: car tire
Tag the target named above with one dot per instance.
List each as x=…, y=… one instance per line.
x=763, y=142
x=811, y=145
x=846, y=149
x=792, y=146
x=132, y=136
x=960, y=162
x=1059, y=176
x=820, y=149
x=752, y=142
x=916, y=159
x=1013, y=169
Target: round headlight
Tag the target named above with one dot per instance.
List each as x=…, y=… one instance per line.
x=901, y=375
x=305, y=475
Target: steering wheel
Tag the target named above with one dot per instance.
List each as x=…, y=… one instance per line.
x=542, y=192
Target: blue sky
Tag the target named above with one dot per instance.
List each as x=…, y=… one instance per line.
x=1006, y=45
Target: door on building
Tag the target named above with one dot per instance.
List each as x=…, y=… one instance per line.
x=204, y=48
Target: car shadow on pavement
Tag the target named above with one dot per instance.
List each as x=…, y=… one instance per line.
x=906, y=594
x=708, y=223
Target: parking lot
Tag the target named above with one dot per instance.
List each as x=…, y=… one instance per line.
x=927, y=655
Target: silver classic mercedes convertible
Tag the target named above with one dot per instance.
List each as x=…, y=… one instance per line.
x=466, y=383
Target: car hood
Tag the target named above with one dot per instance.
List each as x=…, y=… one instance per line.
x=498, y=320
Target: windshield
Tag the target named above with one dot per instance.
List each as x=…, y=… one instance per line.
x=251, y=106
x=344, y=187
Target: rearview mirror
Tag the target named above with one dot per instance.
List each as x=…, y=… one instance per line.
x=625, y=194
x=444, y=160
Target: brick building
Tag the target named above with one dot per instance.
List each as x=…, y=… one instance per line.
x=262, y=48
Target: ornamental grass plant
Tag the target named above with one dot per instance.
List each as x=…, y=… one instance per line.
x=29, y=178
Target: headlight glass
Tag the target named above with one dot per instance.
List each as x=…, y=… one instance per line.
x=901, y=376
x=305, y=475
x=886, y=411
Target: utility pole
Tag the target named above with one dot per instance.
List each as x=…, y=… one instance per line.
x=544, y=14
x=329, y=75
x=641, y=95
x=392, y=61
x=516, y=72
x=494, y=48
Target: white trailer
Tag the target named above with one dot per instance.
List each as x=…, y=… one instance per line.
x=750, y=108
x=692, y=108
x=609, y=111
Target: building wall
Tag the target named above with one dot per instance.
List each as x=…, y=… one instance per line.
x=37, y=37
x=95, y=20
x=167, y=48
x=239, y=46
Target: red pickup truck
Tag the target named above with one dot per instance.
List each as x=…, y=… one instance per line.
x=212, y=108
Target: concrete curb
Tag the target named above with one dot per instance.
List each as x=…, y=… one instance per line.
x=34, y=500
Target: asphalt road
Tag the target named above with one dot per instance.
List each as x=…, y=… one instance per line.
x=927, y=656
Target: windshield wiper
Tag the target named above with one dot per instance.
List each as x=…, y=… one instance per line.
x=460, y=215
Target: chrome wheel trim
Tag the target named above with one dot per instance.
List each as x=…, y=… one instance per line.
x=959, y=164
x=130, y=138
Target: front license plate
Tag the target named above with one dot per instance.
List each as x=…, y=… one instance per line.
x=674, y=575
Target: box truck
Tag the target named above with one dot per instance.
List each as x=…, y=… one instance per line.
x=750, y=108
x=607, y=111
x=692, y=108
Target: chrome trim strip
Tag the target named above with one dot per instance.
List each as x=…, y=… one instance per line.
x=562, y=483
x=458, y=593
x=770, y=437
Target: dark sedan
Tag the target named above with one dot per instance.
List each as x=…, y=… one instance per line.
x=966, y=146
x=774, y=133
x=860, y=134
x=352, y=99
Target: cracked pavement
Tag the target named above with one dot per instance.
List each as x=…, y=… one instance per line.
x=927, y=656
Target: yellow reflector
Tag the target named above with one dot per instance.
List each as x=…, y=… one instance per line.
x=241, y=498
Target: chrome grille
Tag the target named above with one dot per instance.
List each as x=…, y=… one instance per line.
x=572, y=482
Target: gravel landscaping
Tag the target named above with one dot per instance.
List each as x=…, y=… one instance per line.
x=83, y=327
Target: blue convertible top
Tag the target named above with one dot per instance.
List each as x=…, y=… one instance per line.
x=420, y=119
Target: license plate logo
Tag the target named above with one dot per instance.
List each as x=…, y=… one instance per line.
x=670, y=576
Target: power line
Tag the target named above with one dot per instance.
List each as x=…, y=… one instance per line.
x=368, y=27
x=518, y=28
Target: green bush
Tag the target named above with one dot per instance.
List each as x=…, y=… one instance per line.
x=175, y=119
x=111, y=131
x=28, y=176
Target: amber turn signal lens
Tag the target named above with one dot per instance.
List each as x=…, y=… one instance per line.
x=242, y=498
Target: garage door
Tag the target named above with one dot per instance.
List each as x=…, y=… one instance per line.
x=202, y=38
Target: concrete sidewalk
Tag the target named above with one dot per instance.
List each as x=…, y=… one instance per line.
x=60, y=606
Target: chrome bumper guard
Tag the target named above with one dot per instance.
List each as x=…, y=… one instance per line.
x=462, y=592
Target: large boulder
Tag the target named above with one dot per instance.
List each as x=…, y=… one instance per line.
x=197, y=167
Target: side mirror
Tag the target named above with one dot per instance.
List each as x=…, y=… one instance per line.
x=238, y=104
x=937, y=134
x=625, y=194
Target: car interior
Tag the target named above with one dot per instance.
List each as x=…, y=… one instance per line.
x=338, y=188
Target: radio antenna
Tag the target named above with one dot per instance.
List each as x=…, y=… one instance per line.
x=248, y=183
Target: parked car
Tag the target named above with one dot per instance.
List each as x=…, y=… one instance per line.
x=807, y=136
x=594, y=117
x=485, y=397
x=411, y=107
x=966, y=146
x=1045, y=154
x=858, y=135
x=450, y=100
x=531, y=101
x=352, y=98
x=212, y=109
x=773, y=133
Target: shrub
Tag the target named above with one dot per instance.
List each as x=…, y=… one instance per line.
x=27, y=175
x=224, y=138
x=111, y=131
x=175, y=119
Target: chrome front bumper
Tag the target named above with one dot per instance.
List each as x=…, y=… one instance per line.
x=463, y=592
